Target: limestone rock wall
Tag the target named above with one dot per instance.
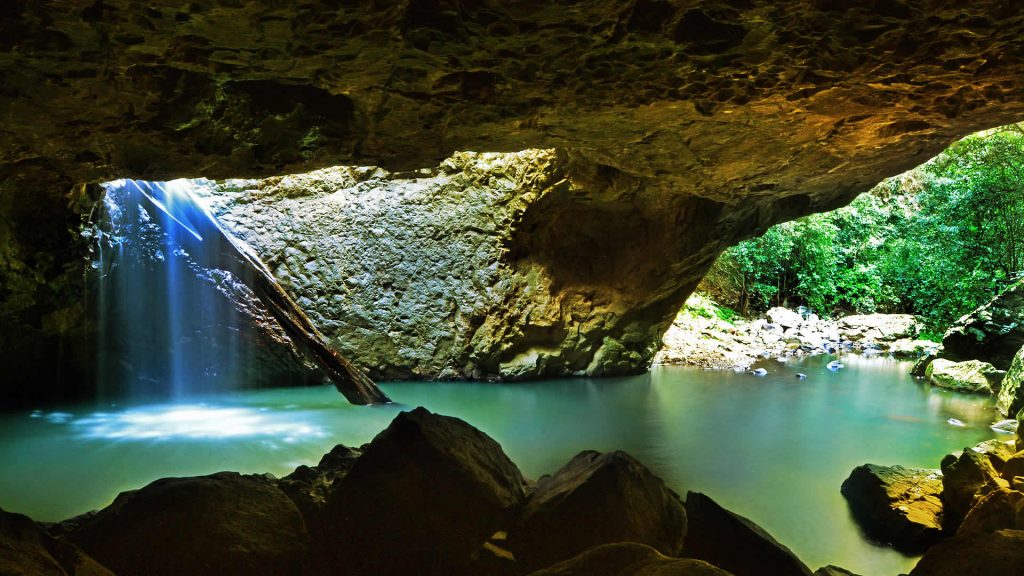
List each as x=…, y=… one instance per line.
x=488, y=266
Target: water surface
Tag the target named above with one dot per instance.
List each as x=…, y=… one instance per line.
x=772, y=448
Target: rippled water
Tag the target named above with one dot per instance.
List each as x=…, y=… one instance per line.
x=773, y=448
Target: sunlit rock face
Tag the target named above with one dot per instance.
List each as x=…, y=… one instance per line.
x=764, y=110
x=487, y=266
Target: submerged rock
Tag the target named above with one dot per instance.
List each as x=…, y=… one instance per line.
x=27, y=550
x=901, y=506
x=597, y=499
x=735, y=543
x=225, y=523
x=1000, y=553
x=629, y=559
x=1011, y=396
x=994, y=332
x=426, y=494
x=969, y=376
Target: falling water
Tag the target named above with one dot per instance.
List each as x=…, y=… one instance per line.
x=165, y=304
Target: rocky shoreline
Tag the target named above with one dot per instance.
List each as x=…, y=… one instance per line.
x=700, y=337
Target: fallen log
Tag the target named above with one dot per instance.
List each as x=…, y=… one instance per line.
x=207, y=237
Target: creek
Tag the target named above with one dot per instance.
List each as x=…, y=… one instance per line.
x=773, y=448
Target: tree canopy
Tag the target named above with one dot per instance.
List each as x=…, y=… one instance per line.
x=936, y=241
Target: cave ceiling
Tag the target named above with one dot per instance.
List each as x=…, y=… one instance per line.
x=805, y=102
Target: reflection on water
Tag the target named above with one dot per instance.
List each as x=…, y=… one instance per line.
x=773, y=448
x=193, y=422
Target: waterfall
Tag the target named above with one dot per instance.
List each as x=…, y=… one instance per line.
x=183, y=306
x=167, y=325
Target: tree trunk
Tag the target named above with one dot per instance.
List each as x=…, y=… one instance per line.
x=235, y=256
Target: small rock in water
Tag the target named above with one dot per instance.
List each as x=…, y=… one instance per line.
x=835, y=365
x=759, y=372
x=956, y=422
x=1005, y=426
x=801, y=375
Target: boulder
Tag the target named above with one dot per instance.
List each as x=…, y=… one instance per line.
x=833, y=571
x=1011, y=395
x=901, y=506
x=735, y=543
x=969, y=376
x=225, y=523
x=629, y=559
x=998, y=452
x=27, y=550
x=909, y=348
x=994, y=332
x=1000, y=509
x=784, y=317
x=965, y=477
x=1013, y=467
x=1000, y=553
x=309, y=486
x=597, y=499
x=426, y=494
x=920, y=368
x=885, y=327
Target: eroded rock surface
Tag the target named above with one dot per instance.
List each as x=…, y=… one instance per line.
x=716, y=535
x=967, y=376
x=993, y=333
x=709, y=122
x=27, y=550
x=225, y=523
x=597, y=499
x=629, y=559
x=990, y=554
x=897, y=505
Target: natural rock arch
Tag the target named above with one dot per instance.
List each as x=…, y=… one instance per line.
x=731, y=116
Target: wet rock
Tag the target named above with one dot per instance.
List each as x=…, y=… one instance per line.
x=425, y=495
x=225, y=523
x=969, y=376
x=994, y=332
x=309, y=486
x=597, y=499
x=898, y=505
x=920, y=368
x=27, y=550
x=629, y=559
x=908, y=349
x=966, y=477
x=716, y=535
x=992, y=554
x=999, y=509
x=1014, y=466
x=1011, y=396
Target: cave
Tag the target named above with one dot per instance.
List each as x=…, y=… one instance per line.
x=504, y=204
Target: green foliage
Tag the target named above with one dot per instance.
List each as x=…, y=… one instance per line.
x=937, y=241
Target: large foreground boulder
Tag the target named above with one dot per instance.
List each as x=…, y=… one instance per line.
x=27, y=550
x=969, y=376
x=997, y=554
x=735, y=543
x=966, y=477
x=425, y=495
x=901, y=506
x=1011, y=394
x=629, y=559
x=994, y=332
x=225, y=523
x=1000, y=509
x=597, y=499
